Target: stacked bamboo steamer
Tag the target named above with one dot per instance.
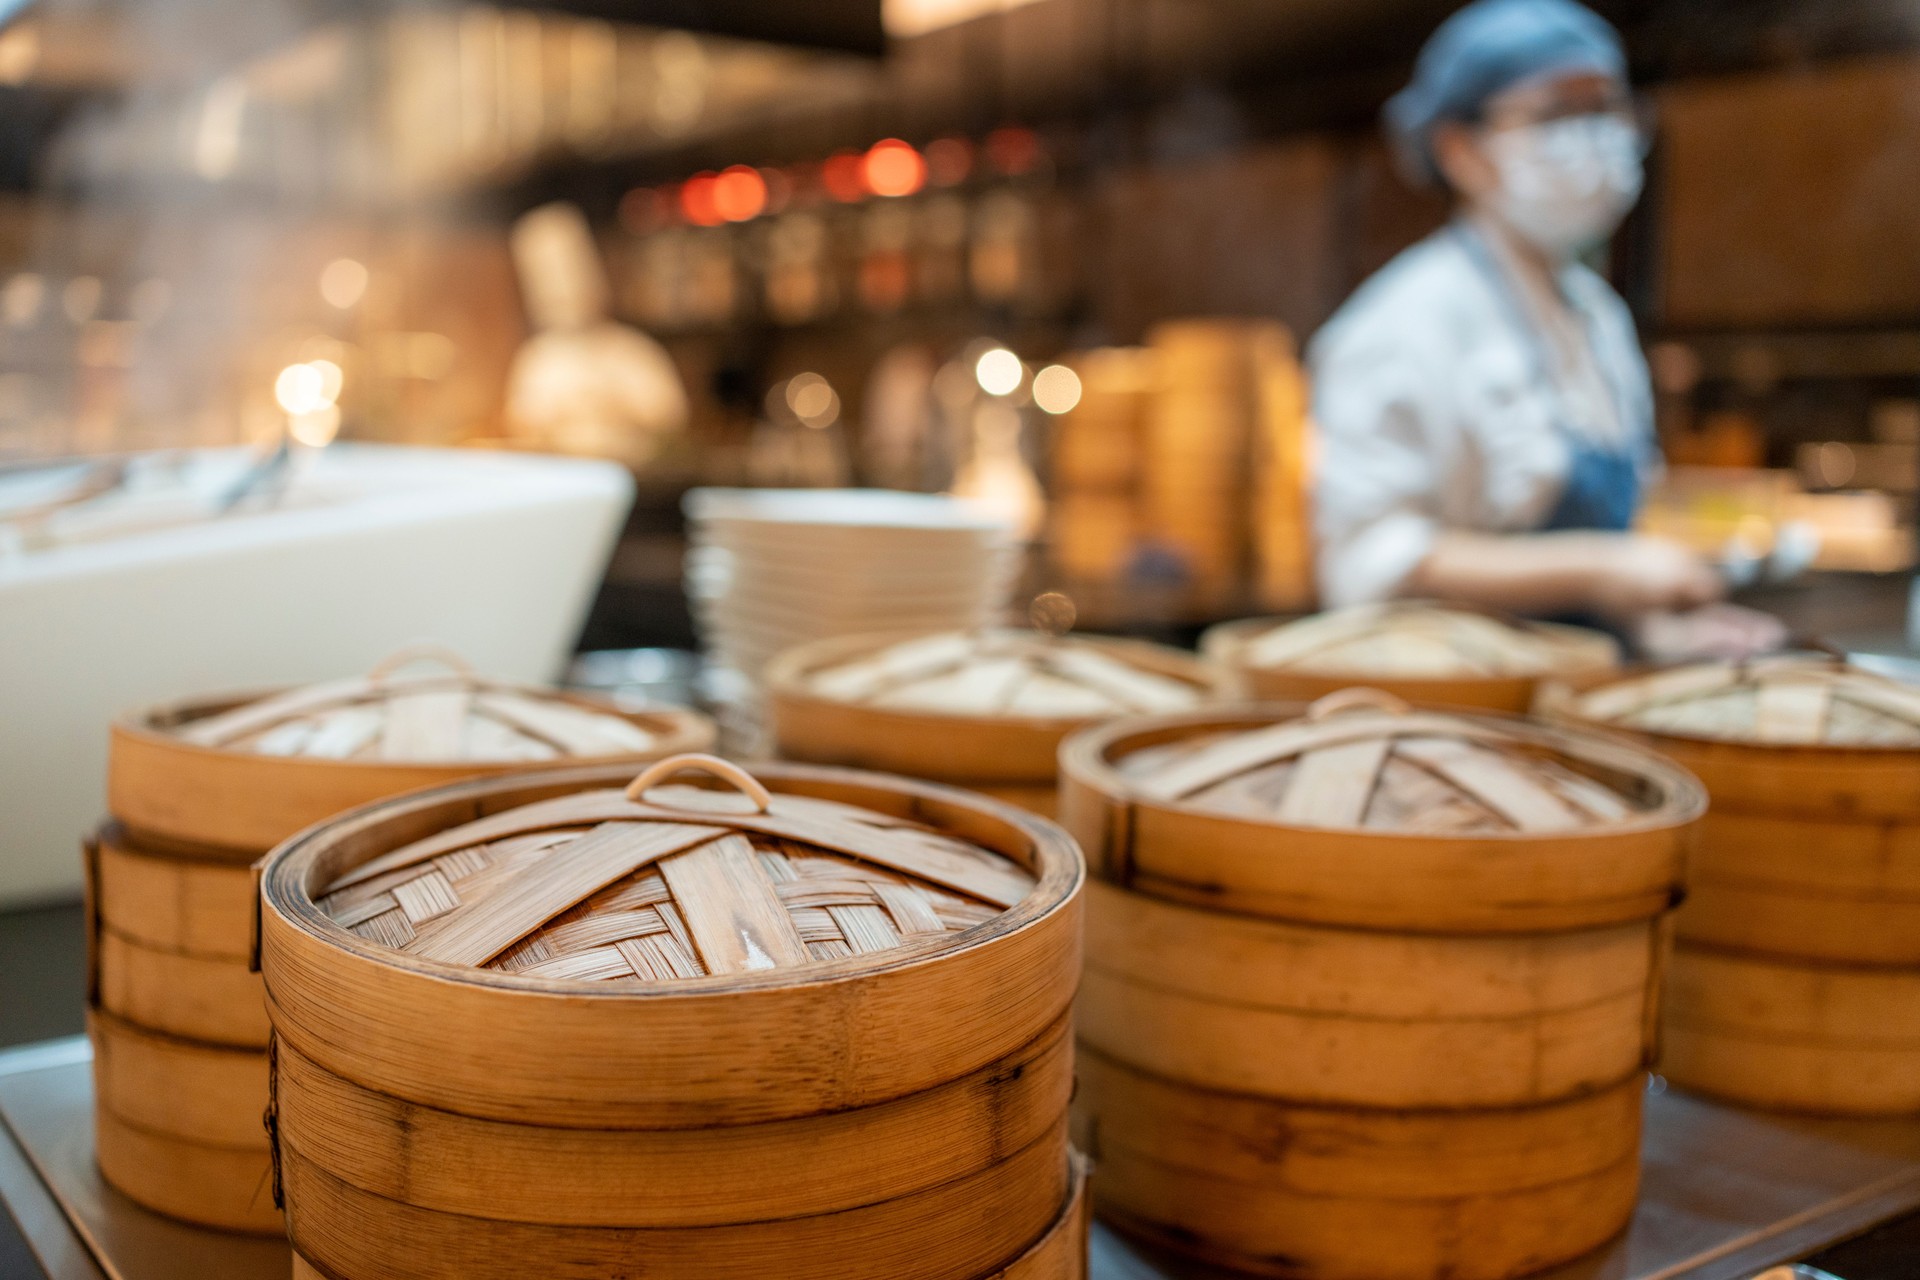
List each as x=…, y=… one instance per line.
x=198, y=792
x=803, y=1022
x=1429, y=654
x=1370, y=993
x=1796, y=975
x=983, y=710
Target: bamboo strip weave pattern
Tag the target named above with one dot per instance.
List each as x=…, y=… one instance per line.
x=1002, y=673
x=1781, y=701
x=1385, y=770
x=597, y=887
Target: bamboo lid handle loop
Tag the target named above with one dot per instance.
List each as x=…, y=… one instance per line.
x=1357, y=700
x=426, y=651
x=725, y=770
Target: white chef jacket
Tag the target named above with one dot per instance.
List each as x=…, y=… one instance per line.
x=1435, y=410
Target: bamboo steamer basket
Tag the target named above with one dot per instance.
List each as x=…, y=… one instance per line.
x=202, y=789
x=986, y=711
x=1368, y=1017
x=498, y=1008
x=1375, y=836
x=1430, y=655
x=1326, y=1082
x=1791, y=1035
x=1061, y=1254
x=1277, y=1188
x=180, y=1127
x=1799, y=956
x=236, y=775
x=172, y=938
x=1812, y=847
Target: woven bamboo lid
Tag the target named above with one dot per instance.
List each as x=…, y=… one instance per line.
x=1364, y=760
x=399, y=716
x=1789, y=701
x=999, y=673
x=1412, y=640
x=229, y=777
x=666, y=882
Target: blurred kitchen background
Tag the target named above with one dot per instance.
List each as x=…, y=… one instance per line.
x=747, y=242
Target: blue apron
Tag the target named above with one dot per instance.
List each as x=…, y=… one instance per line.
x=1603, y=487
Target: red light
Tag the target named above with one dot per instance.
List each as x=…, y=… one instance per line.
x=1013, y=150
x=893, y=168
x=697, y=202
x=739, y=193
x=949, y=161
x=844, y=176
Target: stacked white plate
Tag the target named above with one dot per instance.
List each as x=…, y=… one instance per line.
x=768, y=569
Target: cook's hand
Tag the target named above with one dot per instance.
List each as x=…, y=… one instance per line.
x=1729, y=632
x=1639, y=574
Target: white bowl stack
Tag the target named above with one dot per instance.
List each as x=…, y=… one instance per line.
x=768, y=569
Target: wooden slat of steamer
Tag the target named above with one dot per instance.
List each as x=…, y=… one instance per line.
x=1791, y=711
x=1632, y=697
x=737, y=921
x=1136, y=689
x=905, y=849
x=1516, y=795
x=473, y=933
x=1246, y=751
x=574, y=730
x=1901, y=702
x=1332, y=786
x=426, y=725
x=580, y=809
x=214, y=730
x=1291, y=642
x=343, y=733
x=937, y=858
x=864, y=678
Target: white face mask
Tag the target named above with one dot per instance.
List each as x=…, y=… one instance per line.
x=1566, y=185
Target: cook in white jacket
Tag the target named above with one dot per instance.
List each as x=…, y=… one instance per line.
x=1486, y=415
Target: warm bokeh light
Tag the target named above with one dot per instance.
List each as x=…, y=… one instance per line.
x=999, y=372
x=949, y=161
x=343, y=282
x=332, y=378
x=317, y=429
x=893, y=168
x=300, y=388
x=1056, y=389
x=812, y=399
x=697, y=200
x=844, y=176
x=739, y=193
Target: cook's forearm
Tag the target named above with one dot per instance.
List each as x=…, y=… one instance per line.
x=1534, y=573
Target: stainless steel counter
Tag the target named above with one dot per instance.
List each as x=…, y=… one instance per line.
x=1726, y=1193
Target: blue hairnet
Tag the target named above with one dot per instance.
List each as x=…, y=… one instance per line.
x=1488, y=46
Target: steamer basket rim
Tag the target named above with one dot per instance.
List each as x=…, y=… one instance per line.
x=1060, y=874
